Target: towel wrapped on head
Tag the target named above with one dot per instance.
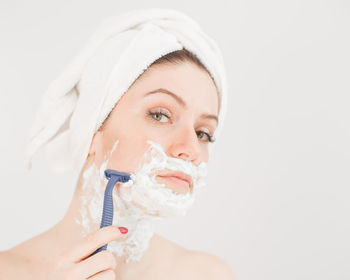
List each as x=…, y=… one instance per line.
x=121, y=49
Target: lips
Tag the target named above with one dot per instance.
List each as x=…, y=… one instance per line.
x=179, y=175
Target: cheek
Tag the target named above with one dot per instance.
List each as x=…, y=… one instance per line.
x=132, y=135
x=131, y=147
x=204, y=156
x=127, y=155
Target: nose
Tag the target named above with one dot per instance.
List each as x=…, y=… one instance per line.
x=185, y=145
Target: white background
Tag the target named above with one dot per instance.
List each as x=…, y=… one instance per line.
x=277, y=206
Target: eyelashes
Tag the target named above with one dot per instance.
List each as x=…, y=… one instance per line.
x=157, y=114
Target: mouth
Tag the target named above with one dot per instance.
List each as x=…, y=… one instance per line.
x=180, y=179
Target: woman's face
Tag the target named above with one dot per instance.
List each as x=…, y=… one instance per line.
x=169, y=105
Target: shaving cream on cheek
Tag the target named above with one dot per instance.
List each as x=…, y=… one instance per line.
x=93, y=187
x=141, y=200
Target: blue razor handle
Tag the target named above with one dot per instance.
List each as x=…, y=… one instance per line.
x=113, y=177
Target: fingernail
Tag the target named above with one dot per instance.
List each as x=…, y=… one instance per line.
x=123, y=230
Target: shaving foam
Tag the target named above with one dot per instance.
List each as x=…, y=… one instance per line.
x=140, y=201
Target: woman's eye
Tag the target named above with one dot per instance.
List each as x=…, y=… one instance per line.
x=159, y=115
x=201, y=133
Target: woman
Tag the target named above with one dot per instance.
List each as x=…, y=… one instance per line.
x=166, y=118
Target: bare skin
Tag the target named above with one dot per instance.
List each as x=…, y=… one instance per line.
x=129, y=122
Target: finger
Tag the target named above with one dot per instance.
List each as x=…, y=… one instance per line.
x=104, y=275
x=92, y=242
x=99, y=262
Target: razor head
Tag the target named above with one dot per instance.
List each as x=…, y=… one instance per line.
x=121, y=176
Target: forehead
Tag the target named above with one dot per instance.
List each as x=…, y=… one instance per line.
x=193, y=84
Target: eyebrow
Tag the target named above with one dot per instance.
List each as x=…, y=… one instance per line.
x=180, y=101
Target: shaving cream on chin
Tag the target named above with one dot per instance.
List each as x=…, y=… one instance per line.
x=142, y=199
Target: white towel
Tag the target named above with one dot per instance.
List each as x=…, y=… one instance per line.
x=122, y=47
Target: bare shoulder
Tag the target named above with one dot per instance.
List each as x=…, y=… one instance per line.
x=201, y=265
x=213, y=266
x=9, y=263
x=186, y=264
x=16, y=266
